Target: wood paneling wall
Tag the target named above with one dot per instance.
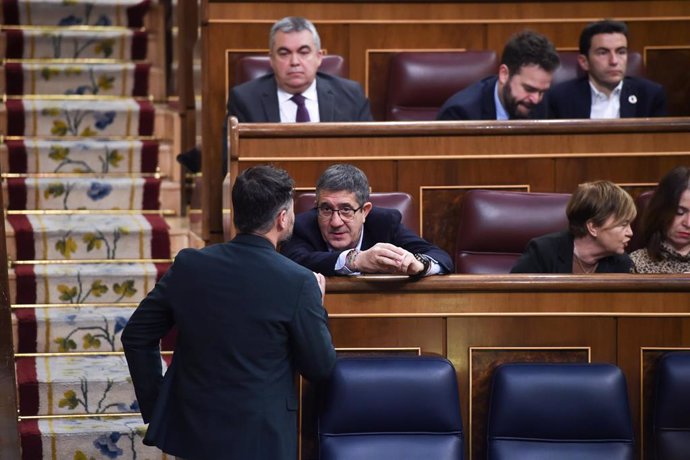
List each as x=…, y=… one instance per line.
x=480, y=321
x=436, y=162
x=659, y=29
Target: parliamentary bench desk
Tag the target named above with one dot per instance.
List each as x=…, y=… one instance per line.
x=437, y=162
x=480, y=321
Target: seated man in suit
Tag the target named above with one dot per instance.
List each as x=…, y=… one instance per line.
x=605, y=92
x=527, y=65
x=296, y=91
x=334, y=239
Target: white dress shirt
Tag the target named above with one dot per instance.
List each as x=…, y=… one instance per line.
x=288, y=109
x=603, y=106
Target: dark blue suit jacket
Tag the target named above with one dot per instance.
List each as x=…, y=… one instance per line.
x=640, y=98
x=247, y=318
x=256, y=101
x=553, y=253
x=307, y=247
x=476, y=102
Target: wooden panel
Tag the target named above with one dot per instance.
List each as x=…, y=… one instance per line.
x=477, y=10
x=440, y=212
x=614, y=316
x=550, y=156
x=669, y=66
x=483, y=361
x=640, y=341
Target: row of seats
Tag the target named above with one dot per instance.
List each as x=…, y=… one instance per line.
x=495, y=226
x=409, y=408
x=420, y=82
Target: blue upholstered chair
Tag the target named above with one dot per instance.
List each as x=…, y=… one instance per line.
x=671, y=426
x=403, y=408
x=559, y=411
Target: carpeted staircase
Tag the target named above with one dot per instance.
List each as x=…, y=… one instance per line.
x=91, y=193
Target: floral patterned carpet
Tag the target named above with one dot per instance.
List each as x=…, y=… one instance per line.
x=83, y=200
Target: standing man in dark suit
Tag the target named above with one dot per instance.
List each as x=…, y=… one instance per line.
x=295, y=84
x=333, y=238
x=605, y=92
x=527, y=65
x=247, y=318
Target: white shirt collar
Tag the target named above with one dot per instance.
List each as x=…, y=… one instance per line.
x=309, y=93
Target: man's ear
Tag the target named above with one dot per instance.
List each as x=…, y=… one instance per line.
x=583, y=61
x=366, y=208
x=503, y=74
x=282, y=220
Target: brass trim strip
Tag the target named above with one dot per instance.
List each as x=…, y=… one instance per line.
x=88, y=175
x=30, y=212
x=518, y=156
x=75, y=305
x=77, y=353
x=90, y=261
x=72, y=416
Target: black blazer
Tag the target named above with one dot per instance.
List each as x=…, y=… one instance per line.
x=256, y=101
x=247, y=318
x=639, y=98
x=476, y=102
x=307, y=247
x=553, y=253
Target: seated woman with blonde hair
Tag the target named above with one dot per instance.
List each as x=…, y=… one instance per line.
x=665, y=227
x=599, y=216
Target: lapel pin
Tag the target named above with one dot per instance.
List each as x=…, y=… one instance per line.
x=632, y=99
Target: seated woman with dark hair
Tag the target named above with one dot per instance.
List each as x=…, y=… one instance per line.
x=665, y=227
x=599, y=215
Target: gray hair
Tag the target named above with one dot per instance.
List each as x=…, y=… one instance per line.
x=344, y=177
x=293, y=24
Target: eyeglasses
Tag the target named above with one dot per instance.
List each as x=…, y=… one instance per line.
x=346, y=213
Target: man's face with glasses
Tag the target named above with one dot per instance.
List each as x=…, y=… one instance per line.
x=341, y=218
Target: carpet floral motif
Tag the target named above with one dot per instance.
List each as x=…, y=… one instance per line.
x=77, y=44
x=103, y=283
x=81, y=80
x=83, y=156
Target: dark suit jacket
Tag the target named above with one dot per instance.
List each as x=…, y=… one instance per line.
x=476, y=102
x=573, y=99
x=256, y=101
x=553, y=253
x=307, y=247
x=247, y=318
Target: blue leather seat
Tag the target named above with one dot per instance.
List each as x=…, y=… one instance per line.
x=559, y=411
x=403, y=408
x=671, y=425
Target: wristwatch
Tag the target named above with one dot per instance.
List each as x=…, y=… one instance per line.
x=426, y=261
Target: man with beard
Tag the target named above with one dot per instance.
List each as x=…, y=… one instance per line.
x=247, y=319
x=604, y=91
x=527, y=65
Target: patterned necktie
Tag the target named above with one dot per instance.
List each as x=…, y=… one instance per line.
x=302, y=112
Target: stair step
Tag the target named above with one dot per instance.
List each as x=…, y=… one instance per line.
x=104, y=13
x=41, y=43
x=87, y=155
x=56, y=283
x=76, y=79
x=74, y=385
x=71, y=329
x=90, y=236
x=78, y=118
x=83, y=193
x=103, y=438
x=179, y=234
